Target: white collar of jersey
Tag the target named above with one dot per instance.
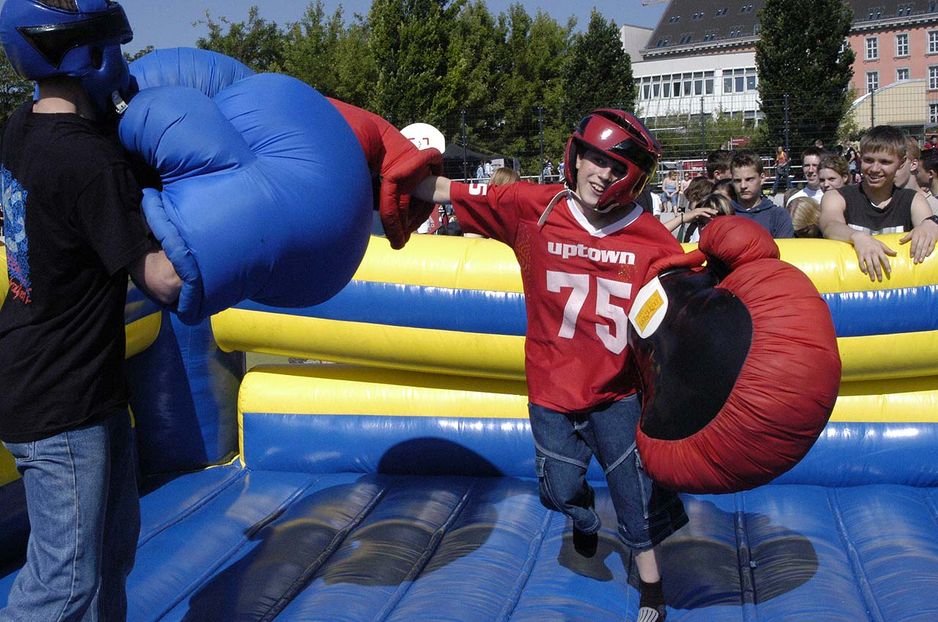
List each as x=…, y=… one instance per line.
x=572, y=197
x=629, y=216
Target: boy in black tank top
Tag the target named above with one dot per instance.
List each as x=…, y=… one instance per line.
x=855, y=214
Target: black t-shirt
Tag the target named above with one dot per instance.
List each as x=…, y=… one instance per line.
x=72, y=225
x=895, y=217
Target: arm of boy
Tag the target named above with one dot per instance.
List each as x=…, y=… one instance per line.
x=925, y=233
x=872, y=255
x=433, y=189
x=689, y=217
x=155, y=275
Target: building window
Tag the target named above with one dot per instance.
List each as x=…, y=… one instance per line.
x=686, y=38
x=721, y=12
x=902, y=74
x=739, y=80
x=876, y=12
x=933, y=41
x=902, y=44
x=872, y=48
x=933, y=78
x=933, y=113
x=698, y=16
x=708, y=82
x=872, y=81
x=746, y=8
x=904, y=9
x=710, y=36
x=674, y=19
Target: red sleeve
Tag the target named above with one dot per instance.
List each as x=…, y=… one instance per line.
x=492, y=211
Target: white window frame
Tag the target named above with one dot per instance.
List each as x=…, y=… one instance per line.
x=933, y=77
x=902, y=74
x=872, y=48
x=872, y=81
x=933, y=113
x=933, y=41
x=902, y=44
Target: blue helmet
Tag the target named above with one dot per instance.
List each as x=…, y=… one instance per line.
x=78, y=38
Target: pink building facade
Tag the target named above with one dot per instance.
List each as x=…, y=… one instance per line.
x=900, y=49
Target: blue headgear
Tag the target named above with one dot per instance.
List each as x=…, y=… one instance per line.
x=78, y=38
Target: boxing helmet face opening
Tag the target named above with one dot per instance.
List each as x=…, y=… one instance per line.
x=76, y=38
x=623, y=139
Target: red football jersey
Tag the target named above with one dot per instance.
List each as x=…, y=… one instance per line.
x=578, y=286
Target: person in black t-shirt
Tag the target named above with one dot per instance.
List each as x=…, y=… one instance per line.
x=73, y=231
x=856, y=213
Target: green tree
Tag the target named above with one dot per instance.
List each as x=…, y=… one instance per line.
x=530, y=96
x=310, y=48
x=598, y=72
x=138, y=54
x=409, y=39
x=472, y=77
x=14, y=90
x=804, y=69
x=257, y=43
x=356, y=69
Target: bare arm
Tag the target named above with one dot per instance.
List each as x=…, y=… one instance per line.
x=433, y=189
x=688, y=217
x=155, y=275
x=925, y=233
x=872, y=255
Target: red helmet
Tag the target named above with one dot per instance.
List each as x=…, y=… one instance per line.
x=622, y=137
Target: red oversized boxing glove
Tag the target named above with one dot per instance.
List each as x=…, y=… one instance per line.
x=398, y=167
x=738, y=362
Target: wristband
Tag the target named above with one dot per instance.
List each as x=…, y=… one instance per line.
x=933, y=218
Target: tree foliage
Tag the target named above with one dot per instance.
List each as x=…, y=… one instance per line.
x=804, y=69
x=14, y=90
x=598, y=72
x=511, y=84
x=409, y=40
x=257, y=43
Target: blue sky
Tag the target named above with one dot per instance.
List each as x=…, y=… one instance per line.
x=169, y=23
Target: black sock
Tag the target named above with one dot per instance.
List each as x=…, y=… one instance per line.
x=651, y=594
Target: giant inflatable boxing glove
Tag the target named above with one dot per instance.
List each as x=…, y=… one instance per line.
x=398, y=167
x=738, y=362
x=265, y=190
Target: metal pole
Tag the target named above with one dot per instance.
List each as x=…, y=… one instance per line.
x=465, y=139
x=703, y=129
x=540, y=124
x=872, y=108
x=787, y=125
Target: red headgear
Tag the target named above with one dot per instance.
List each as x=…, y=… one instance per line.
x=622, y=137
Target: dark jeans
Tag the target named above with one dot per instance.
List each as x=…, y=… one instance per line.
x=781, y=173
x=565, y=443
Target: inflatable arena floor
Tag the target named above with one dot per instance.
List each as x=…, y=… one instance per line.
x=394, y=480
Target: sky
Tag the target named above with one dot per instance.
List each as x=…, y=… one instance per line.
x=173, y=23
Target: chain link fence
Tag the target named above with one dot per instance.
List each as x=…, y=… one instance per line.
x=689, y=128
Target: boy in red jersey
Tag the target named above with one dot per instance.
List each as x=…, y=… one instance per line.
x=584, y=249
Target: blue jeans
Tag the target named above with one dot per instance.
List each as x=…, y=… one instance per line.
x=84, y=514
x=565, y=443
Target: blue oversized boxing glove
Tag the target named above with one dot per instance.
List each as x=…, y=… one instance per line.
x=265, y=195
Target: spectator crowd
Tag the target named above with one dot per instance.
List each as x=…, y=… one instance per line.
x=888, y=183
